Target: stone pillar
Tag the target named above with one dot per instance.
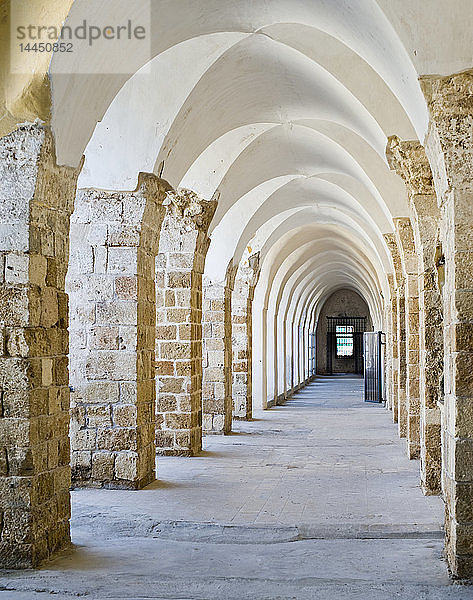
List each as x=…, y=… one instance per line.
x=36, y=200
x=217, y=355
x=402, y=353
x=391, y=348
x=399, y=339
x=410, y=161
x=242, y=302
x=183, y=247
x=449, y=146
x=111, y=282
x=410, y=264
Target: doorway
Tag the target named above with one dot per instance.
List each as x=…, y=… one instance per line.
x=345, y=344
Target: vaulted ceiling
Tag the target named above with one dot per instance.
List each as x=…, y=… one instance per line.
x=280, y=110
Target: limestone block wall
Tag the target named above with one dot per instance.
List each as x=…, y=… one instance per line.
x=242, y=302
x=36, y=200
x=410, y=264
x=217, y=357
x=179, y=266
x=450, y=150
x=402, y=351
x=391, y=342
x=395, y=357
x=111, y=283
x=398, y=322
x=431, y=371
x=410, y=161
x=396, y=250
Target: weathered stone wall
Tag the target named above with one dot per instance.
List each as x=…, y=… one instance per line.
x=242, y=302
x=393, y=243
x=449, y=148
x=393, y=382
x=217, y=355
x=410, y=161
x=410, y=265
x=397, y=292
x=111, y=282
x=36, y=200
x=182, y=250
x=391, y=341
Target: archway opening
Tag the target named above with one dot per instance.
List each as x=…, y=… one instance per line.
x=343, y=319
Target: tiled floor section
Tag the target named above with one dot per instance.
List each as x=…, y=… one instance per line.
x=314, y=499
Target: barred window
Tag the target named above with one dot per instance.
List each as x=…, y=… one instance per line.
x=344, y=340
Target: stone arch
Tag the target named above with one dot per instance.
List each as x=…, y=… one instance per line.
x=351, y=304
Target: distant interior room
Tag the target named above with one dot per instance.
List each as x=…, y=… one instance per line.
x=344, y=317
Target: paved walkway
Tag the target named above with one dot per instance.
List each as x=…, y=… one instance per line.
x=314, y=499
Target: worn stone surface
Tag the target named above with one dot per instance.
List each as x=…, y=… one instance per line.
x=36, y=200
x=111, y=283
x=217, y=355
x=410, y=161
x=450, y=150
x=242, y=302
x=266, y=535
x=179, y=266
x=410, y=266
x=400, y=372
x=392, y=359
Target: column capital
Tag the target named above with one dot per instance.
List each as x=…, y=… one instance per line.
x=249, y=269
x=188, y=206
x=231, y=275
x=255, y=266
x=405, y=232
x=409, y=160
x=450, y=103
x=391, y=243
x=449, y=95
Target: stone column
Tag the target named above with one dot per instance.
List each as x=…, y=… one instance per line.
x=410, y=264
x=399, y=339
x=217, y=355
x=111, y=282
x=391, y=348
x=183, y=247
x=242, y=302
x=449, y=146
x=36, y=200
x=402, y=352
x=410, y=161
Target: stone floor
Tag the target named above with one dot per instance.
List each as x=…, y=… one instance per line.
x=312, y=500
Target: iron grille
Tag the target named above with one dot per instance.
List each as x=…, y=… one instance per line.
x=346, y=334
x=373, y=366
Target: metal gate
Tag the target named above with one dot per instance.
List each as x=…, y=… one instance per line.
x=312, y=354
x=373, y=343
x=354, y=328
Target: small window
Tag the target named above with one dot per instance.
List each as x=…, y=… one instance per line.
x=344, y=341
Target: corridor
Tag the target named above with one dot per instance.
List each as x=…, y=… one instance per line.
x=314, y=499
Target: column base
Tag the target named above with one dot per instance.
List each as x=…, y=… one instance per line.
x=113, y=485
x=175, y=452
